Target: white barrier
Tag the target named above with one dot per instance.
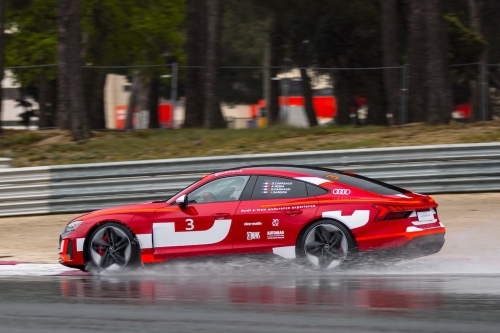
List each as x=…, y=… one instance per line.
x=455, y=168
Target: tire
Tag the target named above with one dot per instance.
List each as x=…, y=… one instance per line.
x=111, y=247
x=325, y=245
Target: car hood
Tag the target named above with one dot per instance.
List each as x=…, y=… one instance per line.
x=147, y=206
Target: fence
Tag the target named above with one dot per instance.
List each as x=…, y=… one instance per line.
x=245, y=86
x=459, y=168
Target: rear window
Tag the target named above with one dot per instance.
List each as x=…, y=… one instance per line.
x=368, y=184
x=313, y=190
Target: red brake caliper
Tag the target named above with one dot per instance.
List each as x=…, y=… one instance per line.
x=101, y=247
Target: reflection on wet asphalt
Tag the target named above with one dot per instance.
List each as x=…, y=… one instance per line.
x=208, y=298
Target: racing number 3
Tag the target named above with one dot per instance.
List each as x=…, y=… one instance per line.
x=190, y=224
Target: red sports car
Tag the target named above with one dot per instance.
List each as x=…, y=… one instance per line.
x=319, y=216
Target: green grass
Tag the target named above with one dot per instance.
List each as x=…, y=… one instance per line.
x=20, y=139
x=55, y=147
x=486, y=136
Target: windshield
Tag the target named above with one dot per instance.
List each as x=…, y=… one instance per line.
x=174, y=195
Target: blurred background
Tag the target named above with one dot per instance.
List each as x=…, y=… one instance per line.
x=126, y=64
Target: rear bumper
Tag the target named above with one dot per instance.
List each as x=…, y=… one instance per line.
x=420, y=246
x=416, y=247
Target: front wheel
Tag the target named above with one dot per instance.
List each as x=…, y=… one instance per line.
x=111, y=247
x=324, y=245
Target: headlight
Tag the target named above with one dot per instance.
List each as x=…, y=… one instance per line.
x=71, y=226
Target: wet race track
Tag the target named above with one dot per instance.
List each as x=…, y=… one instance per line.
x=255, y=295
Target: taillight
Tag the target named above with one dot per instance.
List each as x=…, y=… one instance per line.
x=386, y=212
x=397, y=215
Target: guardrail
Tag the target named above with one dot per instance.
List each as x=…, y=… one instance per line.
x=5, y=162
x=454, y=168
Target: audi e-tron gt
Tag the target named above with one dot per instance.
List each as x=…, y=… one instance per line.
x=319, y=217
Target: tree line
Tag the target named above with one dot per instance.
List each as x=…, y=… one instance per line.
x=206, y=35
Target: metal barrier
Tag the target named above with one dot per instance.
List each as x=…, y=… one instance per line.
x=5, y=162
x=454, y=168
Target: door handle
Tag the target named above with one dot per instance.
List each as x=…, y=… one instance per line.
x=220, y=216
x=293, y=212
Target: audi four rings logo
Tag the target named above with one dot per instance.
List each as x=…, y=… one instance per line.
x=341, y=191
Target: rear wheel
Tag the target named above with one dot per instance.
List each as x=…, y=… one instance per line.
x=324, y=245
x=111, y=247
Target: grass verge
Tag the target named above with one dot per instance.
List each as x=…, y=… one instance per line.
x=55, y=147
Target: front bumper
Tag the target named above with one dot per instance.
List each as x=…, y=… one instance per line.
x=71, y=251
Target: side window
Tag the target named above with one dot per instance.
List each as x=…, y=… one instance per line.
x=276, y=188
x=224, y=189
x=314, y=190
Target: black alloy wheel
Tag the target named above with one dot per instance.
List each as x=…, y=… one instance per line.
x=112, y=247
x=325, y=245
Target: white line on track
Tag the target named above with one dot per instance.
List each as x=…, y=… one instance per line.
x=36, y=270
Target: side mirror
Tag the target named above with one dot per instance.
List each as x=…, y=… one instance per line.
x=182, y=201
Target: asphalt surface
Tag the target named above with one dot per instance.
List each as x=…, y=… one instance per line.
x=252, y=296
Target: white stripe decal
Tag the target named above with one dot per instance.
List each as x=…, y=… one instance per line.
x=313, y=180
x=145, y=241
x=358, y=219
x=79, y=244
x=164, y=234
x=287, y=252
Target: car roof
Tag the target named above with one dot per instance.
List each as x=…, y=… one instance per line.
x=280, y=169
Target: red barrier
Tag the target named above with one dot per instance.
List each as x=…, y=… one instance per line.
x=324, y=106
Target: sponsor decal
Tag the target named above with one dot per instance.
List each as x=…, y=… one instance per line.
x=330, y=176
x=247, y=224
x=253, y=235
x=226, y=172
x=276, y=234
x=276, y=187
x=341, y=191
x=275, y=222
x=257, y=210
